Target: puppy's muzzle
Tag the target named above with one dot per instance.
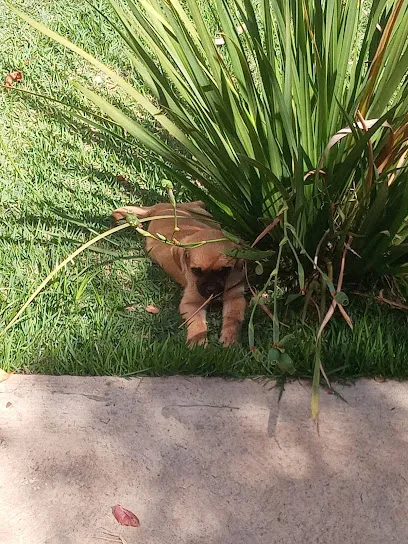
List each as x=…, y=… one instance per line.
x=212, y=283
x=213, y=289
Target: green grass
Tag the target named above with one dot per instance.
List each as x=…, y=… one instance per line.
x=59, y=185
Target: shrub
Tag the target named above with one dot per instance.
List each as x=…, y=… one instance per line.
x=298, y=120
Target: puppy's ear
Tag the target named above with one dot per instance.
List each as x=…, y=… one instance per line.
x=185, y=265
x=199, y=203
x=181, y=257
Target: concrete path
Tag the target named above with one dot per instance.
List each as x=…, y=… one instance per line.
x=201, y=461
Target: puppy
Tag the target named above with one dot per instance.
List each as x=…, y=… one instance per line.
x=202, y=271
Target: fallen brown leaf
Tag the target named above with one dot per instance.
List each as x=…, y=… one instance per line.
x=125, y=517
x=122, y=179
x=8, y=405
x=11, y=78
x=4, y=375
x=152, y=309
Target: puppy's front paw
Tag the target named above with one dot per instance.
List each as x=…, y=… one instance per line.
x=199, y=339
x=228, y=337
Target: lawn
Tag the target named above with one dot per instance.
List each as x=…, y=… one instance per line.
x=60, y=181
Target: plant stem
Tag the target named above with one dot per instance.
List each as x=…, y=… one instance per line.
x=69, y=259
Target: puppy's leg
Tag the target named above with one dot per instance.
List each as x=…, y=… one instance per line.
x=233, y=312
x=197, y=323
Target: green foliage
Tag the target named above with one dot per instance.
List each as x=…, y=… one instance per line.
x=299, y=120
x=257, y=120
x=92, y=318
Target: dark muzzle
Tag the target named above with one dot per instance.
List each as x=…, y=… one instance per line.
x=212, y=283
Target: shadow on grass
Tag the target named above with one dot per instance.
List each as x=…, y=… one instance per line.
x=116, y=341
x=123, y=339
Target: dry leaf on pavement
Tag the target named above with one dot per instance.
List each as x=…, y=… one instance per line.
x=125, y=517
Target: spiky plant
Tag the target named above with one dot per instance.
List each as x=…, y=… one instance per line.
x=299, y=120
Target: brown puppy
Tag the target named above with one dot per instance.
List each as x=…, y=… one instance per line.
x=202, y=271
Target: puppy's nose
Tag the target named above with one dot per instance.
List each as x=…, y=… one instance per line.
x=209, y=290
x=214, y=289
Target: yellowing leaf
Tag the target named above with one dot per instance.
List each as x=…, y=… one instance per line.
x=4, y=375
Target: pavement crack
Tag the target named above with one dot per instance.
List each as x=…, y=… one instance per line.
x=97, y=398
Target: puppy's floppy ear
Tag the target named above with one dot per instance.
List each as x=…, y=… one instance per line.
x=181, y=257
x=198, y=204
x=186, y=257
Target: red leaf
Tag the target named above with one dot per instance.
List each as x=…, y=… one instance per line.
x=12, y=77
x=122, y=179
x=125, y=517
x=152, y=309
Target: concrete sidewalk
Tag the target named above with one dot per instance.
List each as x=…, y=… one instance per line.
x=201, y=461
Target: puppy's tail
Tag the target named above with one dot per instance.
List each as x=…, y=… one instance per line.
x=121, y=213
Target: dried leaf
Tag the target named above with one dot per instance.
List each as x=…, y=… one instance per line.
x=152, y=309
x=267, y=229
x=8, y=405
x=125, y=517
x=345, y=132
x=394, y=303
x=346, y=316
x=111, y=537
x=122, y=179
x=11, y=78
x=4, y=375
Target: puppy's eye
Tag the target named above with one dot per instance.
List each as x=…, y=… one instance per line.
x=197, y=271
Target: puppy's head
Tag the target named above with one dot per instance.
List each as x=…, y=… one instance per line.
x=211, y=282
x=210, y=269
